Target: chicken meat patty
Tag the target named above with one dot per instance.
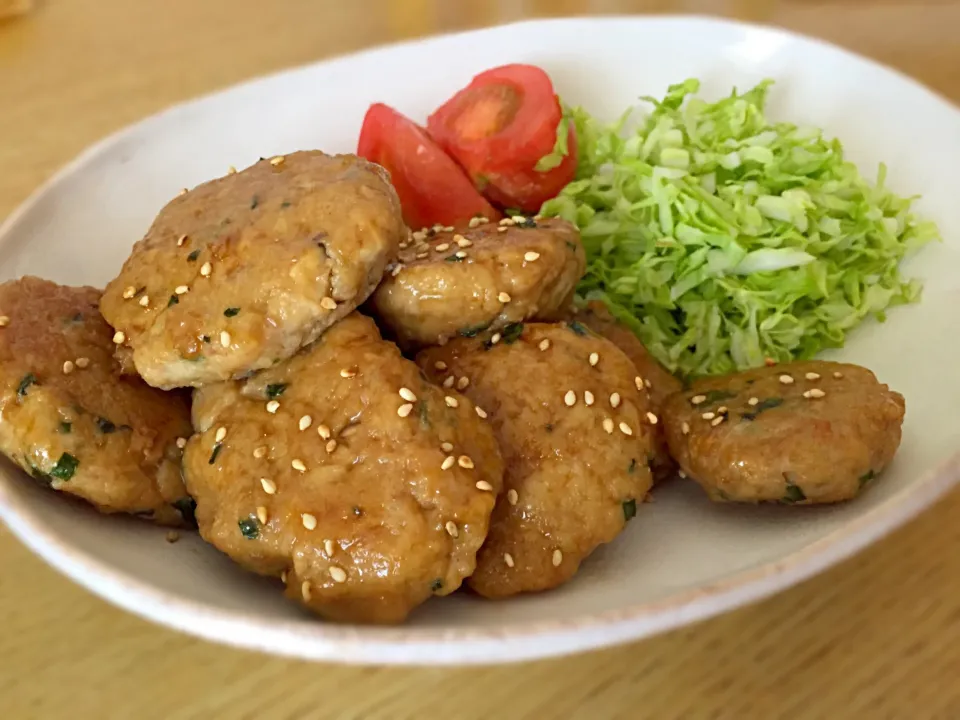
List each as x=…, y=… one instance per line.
x=574, y=432
x=449, y=283
x=71, y=420
x=240, y=272
x=346, y=473
x=799, y=433
x=657, y=381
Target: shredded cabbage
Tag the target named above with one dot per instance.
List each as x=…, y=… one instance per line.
x=723, y=239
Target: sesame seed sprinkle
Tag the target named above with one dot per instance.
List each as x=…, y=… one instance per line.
x=447, y=228
x=181, y=289
x=462, y=241
x=570, y=399
x=262, y=514
x=305, y=590
x=144, y=301
x=405, y=409
x=512, y=496
x=442, y=247
x=448, y=381
x=814, y=393
x=233, y=171
x=440, y=365
x=328, y=303
x=448, y=462
x=305, y=422
x=83, y=362
x=588, y=398
x=463, y=382
x=812, y=376
x=119, y=337
x=452, y=529
x=786, y=379
x=181, y=240
x=419, y=235
x=501, y=229
x=348, y=373
x=708, y=416
x=557, y=558
x=544, y=345
x=838, y=375
x=407, y=394
x=484, y=486
x=722, y=409
x=531, y=256
x=504, y=297
x=181, y=442
x=652, y=418
x=328, y=547
x=481, y=412
x=309, y=521
x=323, y=431
x=685, y=428
x=615, y=400
x=495, y=339
x=68, y=367
x=506, y=221
x=474, y=222
x=268, y=485
x=460, y=254
x=206, y=269
x=465, y=462
x=717, y=420
x=422, y=255
x=221, y=434
x=446, y=447
x=753, y=401
x=338, y=574
x=698, y=399
x=129, y=292
x=278, y=160
x=330, y=446
x=297, y=464
x=638, y=381
x=272, y=407
x=508, y=559
x=260, y=452
x=397, y=269
x=681, y=474
x=594, y=359
x=626, y=429
x=608, y=425
x=225, y=338
x=451, y=401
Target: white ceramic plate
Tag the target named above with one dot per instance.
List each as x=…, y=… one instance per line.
x=683, y=558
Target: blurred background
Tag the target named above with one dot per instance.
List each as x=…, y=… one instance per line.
x=840, y=646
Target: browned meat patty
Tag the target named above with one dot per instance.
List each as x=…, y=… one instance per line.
x=800, y=433
x=71, y=420
x=448, y=284
x=345, y=472
x=658, y=383
x=242, y=271
x=574, y=432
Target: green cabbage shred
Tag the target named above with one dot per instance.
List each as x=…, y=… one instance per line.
x=723, y=239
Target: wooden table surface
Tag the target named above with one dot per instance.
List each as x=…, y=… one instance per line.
x=877, y=637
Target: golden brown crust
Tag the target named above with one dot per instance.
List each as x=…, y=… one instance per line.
x=507, y=273
x=68, y=417
x=381, y=496
x=798, y=433
x=573, y=477
x=239, y=272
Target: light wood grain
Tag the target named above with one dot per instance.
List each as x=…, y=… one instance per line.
x=877, y=637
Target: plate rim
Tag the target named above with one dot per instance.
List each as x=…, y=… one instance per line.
x=405, y=645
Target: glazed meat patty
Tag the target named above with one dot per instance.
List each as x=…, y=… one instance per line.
x=242, y=271
x=345, y=472
x=658, y=383
x=574, y=432
x=461, y=283
x=799, y=433
x=71, y=420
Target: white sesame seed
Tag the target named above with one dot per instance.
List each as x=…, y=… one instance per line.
x=448, y=381
x=786, y=379
x=330, y=446
x=544, y=345
x=465, y=462
x=452, y=529
x=698, y=399
x=407, y=394
x=812, y=376
x=305, y=590
x=815, y=393
x=181, y=442
x=506, y=221
x=129, y=292
x=272, y=407
x=481, y=412
x=504, y=297
x=753, y=401
x=501, y=229
x=4, y=320
x=685, y=428
x=338, y=574
x=397, y=269
x=446, y=447
x=181, y=240
x=484, y=486
x=838, y=375
x=594, y=359
x=231, y=170
x=144, y=301
x=419, y=235
x=463, y=382
x=348, y=373
x=608, y=425
x=262, y=514
x=119, y=337
x=323, y=431
x=652, y=418
x=722, y=409
x=520, y=219
x=305, y=422
x=225, y=338
x=278, y=160
x=440, y=365
x=588, y=397
x=451, y=401
x=512, y=496
x=638, y=381
x=462, y=241
x=206, y=269
x=647, y=384
x=83, y=362
x=570, y=399
x=297, y=464
x=557, y=558
x=531, y=256
x=508, y=559
x=309, y=521
x=328, y=547
x=221, y=434
x=460, y=254
x=68, y=367
x=615, y=400
x=626, y=429
x=268, y=485
x=495, y=339
x=328, y=303
x=717, y=420
x=447, y=228
x=681, y=474
x=708, y=416
x=405, y=410
x=448, y=462
x=181, y=289
x=474, y=222
x=422, y=255
x=442, y=247
x=260, y=452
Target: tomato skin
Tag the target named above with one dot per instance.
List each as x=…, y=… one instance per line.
x=498, y=128
x=432, y=188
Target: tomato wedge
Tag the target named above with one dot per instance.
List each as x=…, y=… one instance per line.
x=499, y=128
x=432, y=188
